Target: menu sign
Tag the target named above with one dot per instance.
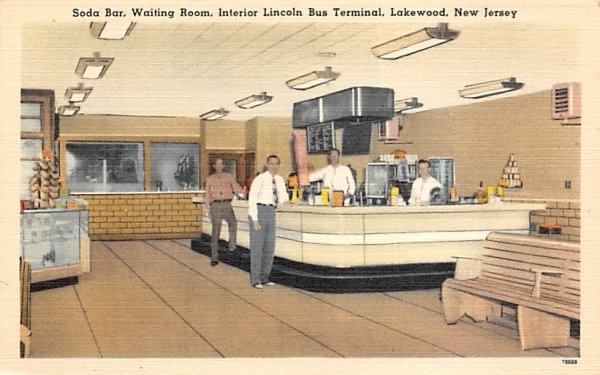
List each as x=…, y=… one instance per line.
x=320, y=138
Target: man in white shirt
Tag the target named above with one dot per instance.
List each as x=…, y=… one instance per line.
x=266, y=194
x=421, y=188
x=336, y=177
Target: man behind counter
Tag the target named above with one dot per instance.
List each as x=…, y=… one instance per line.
x=336, y=176
x=421, y=189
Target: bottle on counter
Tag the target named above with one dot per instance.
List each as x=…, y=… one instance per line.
x=453, y=194
x=491, y=193
x=295, y=197
x=325, y=196
x=311, y=198
x=500, y=191
x=394, y=192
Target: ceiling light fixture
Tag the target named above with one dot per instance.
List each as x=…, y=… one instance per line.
x=113, y=30
x=68, y=110
x=214, y=114
x=415, y=42
x=254, y=101
x=78, y=94
x=93, y=67
x=310, y=80
x=483, y=89
x=406, y=104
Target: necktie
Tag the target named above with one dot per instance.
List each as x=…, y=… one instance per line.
x=275, y=198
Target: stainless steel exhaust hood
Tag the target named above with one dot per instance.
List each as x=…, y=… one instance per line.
x=350, y=106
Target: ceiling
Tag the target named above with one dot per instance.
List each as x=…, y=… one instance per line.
x=186, y=69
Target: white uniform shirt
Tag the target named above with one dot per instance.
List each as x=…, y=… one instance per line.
x=421, y=191
x=339, y=178
x=261, y=191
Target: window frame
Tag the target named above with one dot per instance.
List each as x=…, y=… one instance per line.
x=147, y=144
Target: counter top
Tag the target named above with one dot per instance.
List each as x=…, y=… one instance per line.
x=405, y=209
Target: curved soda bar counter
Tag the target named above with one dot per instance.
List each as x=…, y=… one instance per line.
x=380, y=247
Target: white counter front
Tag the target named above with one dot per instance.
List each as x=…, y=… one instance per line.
x=384, y=235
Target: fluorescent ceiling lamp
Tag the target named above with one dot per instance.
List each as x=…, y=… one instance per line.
x=415, y=42
x=78, y=94
x=254, y=101
x=406, y=104
x=483, y=89
x=68, y=110
x=93, y=67
x=310, y=80
x=113, y=30
x=214, y=114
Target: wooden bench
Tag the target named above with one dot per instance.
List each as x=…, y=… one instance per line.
x=538, y=275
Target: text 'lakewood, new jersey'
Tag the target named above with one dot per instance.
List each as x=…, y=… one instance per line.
x=272, y=12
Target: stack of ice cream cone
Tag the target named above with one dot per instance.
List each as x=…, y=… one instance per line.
x=44, y=185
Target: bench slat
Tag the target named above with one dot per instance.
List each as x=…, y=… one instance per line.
x=524, y=256
x=524, y=270
x=568, y=299
x=571, y=288
x=534, y=250
x=528, y=277
x=504, y=279
x=569, y=295
x=526, y=240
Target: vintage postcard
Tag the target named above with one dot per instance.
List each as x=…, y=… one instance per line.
x=299, y=187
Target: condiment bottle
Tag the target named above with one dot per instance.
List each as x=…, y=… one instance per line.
x=325, y=196
x=491, y=192
x=500, y=191
x=453, y=194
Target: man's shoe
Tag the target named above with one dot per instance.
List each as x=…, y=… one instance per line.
x=270, y=283
x=214, y=262
x=258, y=286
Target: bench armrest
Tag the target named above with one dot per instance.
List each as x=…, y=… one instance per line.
x=538, y=279
x=466, y=267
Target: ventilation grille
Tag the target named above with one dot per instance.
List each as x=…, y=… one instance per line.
x=566, y=101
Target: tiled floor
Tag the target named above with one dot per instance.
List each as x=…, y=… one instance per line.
x=160, y=299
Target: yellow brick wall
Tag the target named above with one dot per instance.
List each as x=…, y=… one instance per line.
x=564, y=213
x=143, y=216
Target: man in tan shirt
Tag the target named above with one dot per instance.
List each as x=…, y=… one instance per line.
x=221, y=187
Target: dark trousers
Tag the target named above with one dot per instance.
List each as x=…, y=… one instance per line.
x=220, y=211
x=262, y=245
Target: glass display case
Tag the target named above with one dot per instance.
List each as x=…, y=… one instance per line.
x=379, y=177
x=442, y=169
x=55, y=242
